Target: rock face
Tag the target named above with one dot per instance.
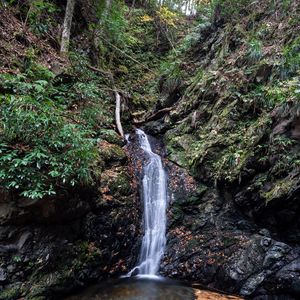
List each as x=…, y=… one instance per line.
x=50, y=248
x=212, y=242
x=233, y=217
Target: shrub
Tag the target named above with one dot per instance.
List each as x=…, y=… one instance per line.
x=41, y=147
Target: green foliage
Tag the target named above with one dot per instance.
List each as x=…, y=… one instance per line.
x=113, y=32
x=286, y=4
x=166, y=16
x=205, y=10
x=7, y=2
x=280, y=188
x=254, y=50
x=171, y=65
x=230, y=10
x=115, y=25
x=40, y=15
x=290, y=63
x=41, y=147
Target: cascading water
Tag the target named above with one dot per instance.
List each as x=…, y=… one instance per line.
x=154, y=187
x=147, y=285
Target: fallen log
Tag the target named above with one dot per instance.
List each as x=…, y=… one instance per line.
x=118, y=114
x=160, y=113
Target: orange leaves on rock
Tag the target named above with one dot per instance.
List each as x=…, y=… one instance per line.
x=105, y=145
x=92, y=248
x=179, y=178
x=207, y=295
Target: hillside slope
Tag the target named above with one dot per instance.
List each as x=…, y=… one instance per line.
x=235, y=128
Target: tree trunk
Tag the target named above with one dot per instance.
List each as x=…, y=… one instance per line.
x=98, y=30
x=65, y=38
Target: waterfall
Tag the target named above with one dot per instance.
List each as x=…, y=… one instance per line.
x=154, y=196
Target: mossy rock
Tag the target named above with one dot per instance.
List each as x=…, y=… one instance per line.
x=183, y=198
x=111, y=137
x=11, y=293
x=121, y=185
x=177, y=215
x=281, y=189
x=112, y=152
x=178, y=146
x=196, y=196
x=48, y=284
x=115, y=185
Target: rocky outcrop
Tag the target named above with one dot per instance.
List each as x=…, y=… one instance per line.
x=212, y=242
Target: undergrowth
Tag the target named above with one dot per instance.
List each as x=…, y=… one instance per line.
x=49, y=128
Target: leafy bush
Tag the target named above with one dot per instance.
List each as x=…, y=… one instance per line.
x=41, y=148
x=40, y=15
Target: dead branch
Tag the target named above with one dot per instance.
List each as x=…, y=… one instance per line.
x=154, y=116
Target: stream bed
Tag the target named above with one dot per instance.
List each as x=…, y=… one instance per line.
x=147, y=288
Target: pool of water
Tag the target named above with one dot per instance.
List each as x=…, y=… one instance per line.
x=146, y=288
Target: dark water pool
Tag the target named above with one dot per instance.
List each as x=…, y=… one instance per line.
x=138, y=289
x=146, y=288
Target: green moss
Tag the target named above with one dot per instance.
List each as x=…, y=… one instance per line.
x=11, y=293
x=86, y=253
x=42, y=286
x=281, y=188
x=177, y=214
x=118, y=181
x=111, y=136
x=231, y=163
x=178, y=147
x=111, y=152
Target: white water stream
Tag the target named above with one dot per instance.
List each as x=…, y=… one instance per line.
x=154, y=196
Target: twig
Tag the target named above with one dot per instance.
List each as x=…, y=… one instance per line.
x=109, y=74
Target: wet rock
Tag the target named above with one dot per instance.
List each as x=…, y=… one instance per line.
x=253, y=283
x=265, y=232
x=266, y=242
x=3, y=275
x=210, y=241
x=287, y=278
x=275, y=253
x=156, y=127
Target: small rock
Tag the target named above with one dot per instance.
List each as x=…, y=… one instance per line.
x=3, y=275
x=275, y=253
x=252, y=284
x=266, y=242
x=265, y=232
